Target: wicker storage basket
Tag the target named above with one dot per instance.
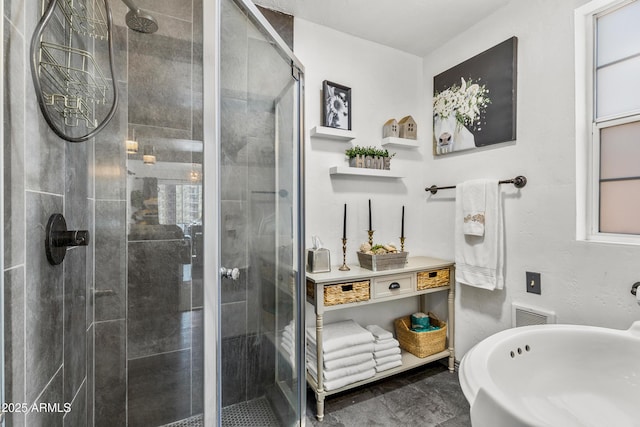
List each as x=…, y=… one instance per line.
x=433, y=279
x=344, y=293
x=421, y=344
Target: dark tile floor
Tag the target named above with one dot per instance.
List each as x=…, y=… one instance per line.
x=426, y=396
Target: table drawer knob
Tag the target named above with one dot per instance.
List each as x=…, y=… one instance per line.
x=394, y=285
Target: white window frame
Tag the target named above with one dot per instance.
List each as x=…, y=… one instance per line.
x=588, y=130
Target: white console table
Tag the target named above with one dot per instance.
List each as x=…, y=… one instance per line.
x=383, y=286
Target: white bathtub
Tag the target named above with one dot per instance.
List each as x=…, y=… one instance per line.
x=554, y=375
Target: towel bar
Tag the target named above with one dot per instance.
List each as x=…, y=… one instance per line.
x=519, y=182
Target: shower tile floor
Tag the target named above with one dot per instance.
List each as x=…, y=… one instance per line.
x=427, y=397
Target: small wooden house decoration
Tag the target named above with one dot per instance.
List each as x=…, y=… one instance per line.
x=408, y=128
x=390, y=128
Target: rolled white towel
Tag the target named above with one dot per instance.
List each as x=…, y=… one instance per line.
x=286, y=340
x=388, y=352
x=386, y=344
x=341, y=382
x=342, y=362
x=386, y=366
x=341, y=353
x=378, y=332
x=388, y=359
x=340, y=335
x=287, y=334
x=330, y=374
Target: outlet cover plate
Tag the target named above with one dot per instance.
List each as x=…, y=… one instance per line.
x=533, y=283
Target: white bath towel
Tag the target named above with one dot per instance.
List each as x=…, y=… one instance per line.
x=388, y=359
x=385, y=345
x=342, y=362
x=350, y=379
x=474, y=206
x=332, y=374
x=387, y=366
x=480, y=259
x=340, y=335
x=388, y=352
x=378, y=332
x=342, y=353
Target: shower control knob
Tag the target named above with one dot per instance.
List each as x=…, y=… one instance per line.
x=230, y=273
x=58, y=238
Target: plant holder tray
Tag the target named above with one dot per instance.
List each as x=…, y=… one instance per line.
x=382, y=262
x=421, y=344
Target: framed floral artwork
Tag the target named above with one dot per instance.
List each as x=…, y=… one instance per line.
x=336, y=105
x=474, y=103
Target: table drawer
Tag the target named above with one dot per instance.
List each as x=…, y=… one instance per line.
x=433, y=279
x=345, y=293
x=392, y=285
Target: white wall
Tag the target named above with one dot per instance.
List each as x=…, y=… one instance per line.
x=585, y=283
x=384, y=83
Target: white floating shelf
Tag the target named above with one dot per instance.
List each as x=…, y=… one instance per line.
x=346, y=170
x=332, y=133
x=400, y=142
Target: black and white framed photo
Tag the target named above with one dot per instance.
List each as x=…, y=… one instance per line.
x=336, y=105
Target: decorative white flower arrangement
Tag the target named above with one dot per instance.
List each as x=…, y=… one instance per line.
x=468, y=102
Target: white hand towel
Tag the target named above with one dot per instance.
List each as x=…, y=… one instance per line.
x=386, y=366
x=341, y=372
x=474, y=206
x=350, y=379
x=388, y=352
x=385, y=345
x=344, y=352
x=480, y=259
x=339, y=335
x=378, y=332
x=343, y=362
x=388, y=359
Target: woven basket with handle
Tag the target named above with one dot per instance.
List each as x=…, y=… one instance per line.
x=421, y=344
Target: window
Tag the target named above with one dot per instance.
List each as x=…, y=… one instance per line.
x=612, y=62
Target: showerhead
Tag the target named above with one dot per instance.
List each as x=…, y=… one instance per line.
x=139, y=20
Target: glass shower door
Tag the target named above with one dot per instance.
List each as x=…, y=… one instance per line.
x=259, y=226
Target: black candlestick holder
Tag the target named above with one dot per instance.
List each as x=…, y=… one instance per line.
x=402, y=244
x=344, y=267
x=370, y=236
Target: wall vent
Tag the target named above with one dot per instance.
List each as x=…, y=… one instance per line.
x=524, y=316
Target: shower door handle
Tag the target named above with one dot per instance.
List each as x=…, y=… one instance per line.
x=229, y=273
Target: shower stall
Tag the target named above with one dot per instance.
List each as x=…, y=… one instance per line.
x=183, y=305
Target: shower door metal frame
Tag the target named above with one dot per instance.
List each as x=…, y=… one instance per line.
x=211, y=214
x=2, y=202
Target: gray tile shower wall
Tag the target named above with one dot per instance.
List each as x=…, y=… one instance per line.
x=75, y=345
x=51, y=395
x=109, y=163
x=110, y=260
x=64, y=342
x=158, y=302
x=14, y=341
x=159, y=389
x=110, y=373
x=14, y=80
x=159, y=75
x=44, y=298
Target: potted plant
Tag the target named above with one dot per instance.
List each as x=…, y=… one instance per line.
x=369, y=157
